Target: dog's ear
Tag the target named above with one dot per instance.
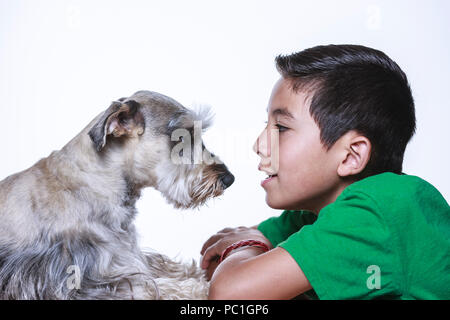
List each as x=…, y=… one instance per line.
x=120, y=119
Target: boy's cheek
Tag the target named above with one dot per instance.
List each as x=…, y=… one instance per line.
x=289, y=190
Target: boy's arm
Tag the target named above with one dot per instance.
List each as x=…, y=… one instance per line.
x=248, y=274
x=271, y=231
x=216, y=244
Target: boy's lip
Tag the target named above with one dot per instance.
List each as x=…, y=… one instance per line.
x=270, y=175
x=267, y=169
x=268, y=179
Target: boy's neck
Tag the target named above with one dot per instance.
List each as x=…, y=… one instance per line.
x=321, y=201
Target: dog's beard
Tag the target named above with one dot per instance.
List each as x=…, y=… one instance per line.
x=188, y=186
x=207, y=187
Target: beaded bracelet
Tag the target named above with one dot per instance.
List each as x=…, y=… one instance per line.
x=243, y=243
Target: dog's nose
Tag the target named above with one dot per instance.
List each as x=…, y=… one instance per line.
x=227, y=180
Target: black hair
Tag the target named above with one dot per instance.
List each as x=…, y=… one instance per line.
x=356, y=88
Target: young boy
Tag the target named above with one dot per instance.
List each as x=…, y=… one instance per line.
x=354, y=226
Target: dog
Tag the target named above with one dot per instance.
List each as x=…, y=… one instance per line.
x=66, y=223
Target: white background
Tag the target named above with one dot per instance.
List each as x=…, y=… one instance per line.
x=63, y=62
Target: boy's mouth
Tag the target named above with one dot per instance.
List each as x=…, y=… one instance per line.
x=269, y=178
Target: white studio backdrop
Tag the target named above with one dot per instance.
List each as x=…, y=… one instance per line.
x=63, y=62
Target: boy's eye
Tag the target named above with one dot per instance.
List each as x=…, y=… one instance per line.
x=281, y=128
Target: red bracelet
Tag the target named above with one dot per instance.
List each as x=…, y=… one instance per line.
x=243, y=243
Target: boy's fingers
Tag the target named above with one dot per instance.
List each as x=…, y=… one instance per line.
x=205, y=260
x=210, y=254
x=205, y=263
x=220, y=234
x=213, y=263
x=213, y=239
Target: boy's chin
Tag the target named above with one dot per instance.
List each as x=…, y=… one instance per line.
x=283, y=204
x=277, y=204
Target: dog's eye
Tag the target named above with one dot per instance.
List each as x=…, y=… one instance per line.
x=122, y=121
x=180, y=153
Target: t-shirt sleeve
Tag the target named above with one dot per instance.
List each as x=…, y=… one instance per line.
x=278, y=229
x=348, y=252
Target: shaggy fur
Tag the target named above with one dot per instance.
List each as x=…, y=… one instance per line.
x=66, y=223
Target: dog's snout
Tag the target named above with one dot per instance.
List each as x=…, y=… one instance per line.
x=227, y=179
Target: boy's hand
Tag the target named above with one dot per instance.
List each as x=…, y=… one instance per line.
x=214, y=246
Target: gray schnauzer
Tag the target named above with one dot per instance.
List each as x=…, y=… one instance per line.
x=66, y=223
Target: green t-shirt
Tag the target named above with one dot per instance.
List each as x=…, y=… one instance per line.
x=386, y=236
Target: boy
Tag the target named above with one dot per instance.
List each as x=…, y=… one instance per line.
x=354, y=226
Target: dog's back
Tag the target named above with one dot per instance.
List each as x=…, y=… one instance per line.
x=25, y=255
x=47, y=235
x=16, y=209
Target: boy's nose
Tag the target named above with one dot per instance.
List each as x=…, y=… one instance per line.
x=266, y=146
x=262, y=145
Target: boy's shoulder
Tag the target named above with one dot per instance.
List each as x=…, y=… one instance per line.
x=402, y=194
x=397, y=223
x=389, y=185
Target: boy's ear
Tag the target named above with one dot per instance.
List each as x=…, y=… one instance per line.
x=120, y=119
x=357, y=155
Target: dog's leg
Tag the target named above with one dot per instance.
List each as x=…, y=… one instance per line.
x=177, y=280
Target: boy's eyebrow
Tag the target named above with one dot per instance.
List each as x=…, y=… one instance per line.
x=281, y=112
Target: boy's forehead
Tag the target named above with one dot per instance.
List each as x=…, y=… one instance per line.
x=282, y=111
x=287, y=102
